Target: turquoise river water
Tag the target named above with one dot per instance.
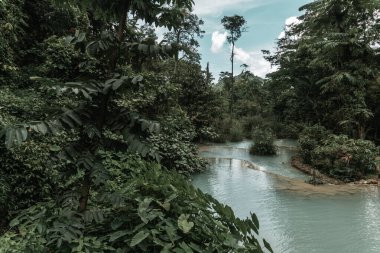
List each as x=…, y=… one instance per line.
x=295, y=217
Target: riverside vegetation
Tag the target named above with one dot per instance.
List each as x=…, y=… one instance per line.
x=99, y=119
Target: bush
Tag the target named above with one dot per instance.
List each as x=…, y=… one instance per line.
x=309, y=139
x=64, y=61
x=29, y=174
x=252, y=122
x=223, y=126
x=207, y=134
x=345, y=158
x=150, y=210
x=229, y=130
x=290, y=130
x=236, y=132
x=174, y=144
x=263, y=143
x=61, y=59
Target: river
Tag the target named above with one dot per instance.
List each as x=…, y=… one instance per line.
x=295, y=217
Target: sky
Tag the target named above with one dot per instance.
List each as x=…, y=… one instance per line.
x=266, y=21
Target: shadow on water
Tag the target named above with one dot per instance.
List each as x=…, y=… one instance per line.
x=294, y=216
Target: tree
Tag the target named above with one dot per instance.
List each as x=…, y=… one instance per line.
x=327, y=63
x=235, y=26
x=184, y=36
x=197, y=97
x=97, y=181
x=117, y=11
x=97, y=113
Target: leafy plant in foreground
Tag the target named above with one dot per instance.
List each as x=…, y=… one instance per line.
x=152, y=211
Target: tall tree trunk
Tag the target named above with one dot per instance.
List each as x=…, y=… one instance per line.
x=123, y=17
x=86, y=183
x=85, y=192
x=208, y=73
x=361, y=132
x=3, y=214
x=232, y=80
x=176, y=59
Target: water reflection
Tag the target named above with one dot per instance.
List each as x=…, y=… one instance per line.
x=278, y=164
x=294, y=217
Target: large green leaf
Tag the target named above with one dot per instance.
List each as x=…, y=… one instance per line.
x=186, y=248
x=42, y=128
x=255, y=220
x=138, y=238
x=116, y=235
x=267, y=245
x=9, y=137
x=184, y=224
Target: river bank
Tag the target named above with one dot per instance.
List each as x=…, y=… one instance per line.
x=306, y=189
x=295, y=216
x=297, y=162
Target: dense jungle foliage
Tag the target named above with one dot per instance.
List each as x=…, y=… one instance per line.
x=328, y=79
x=99, y=119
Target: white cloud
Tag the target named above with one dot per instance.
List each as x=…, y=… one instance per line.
x=218, y=39
x=281, y=35
x=289, y=22
x=255, y=60
x=160, y=31
x=292, y=21
x=216, y=7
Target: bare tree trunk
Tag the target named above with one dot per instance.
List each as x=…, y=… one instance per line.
x=86, y=183
x=361, y=132
x=85, y=192
x=232, y=81
x=123, y=17
x=176, y=59
x=3, y=214
x=208, y=73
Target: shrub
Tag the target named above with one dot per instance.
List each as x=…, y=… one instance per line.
x=29, y=174
x=292, y=130
x=151, y=210
x=263, y=143
x=223, y=127
x=236, y=132
x=64, y=61
x=309, y=139
x=345, y=158
x=207, y=134
x=174, y=144
x=229, y=130
x=252, y=122
x=61, y=59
